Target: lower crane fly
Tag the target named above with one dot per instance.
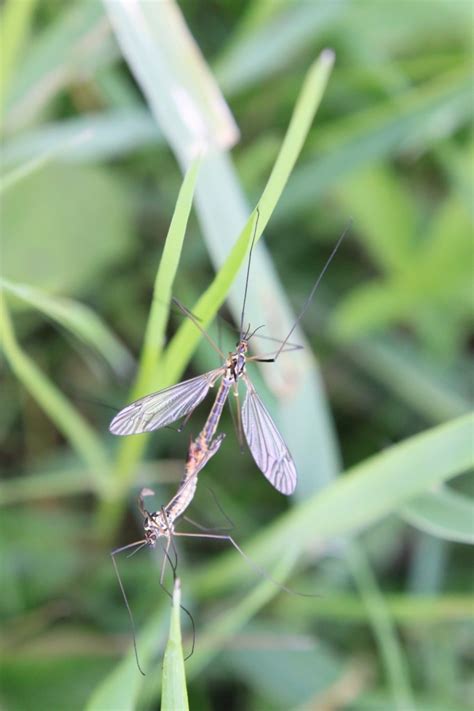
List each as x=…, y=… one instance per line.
x=161, y=524
x=265, y=442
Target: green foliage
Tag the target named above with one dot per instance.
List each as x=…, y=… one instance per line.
x=175, y=695
x=93, y=225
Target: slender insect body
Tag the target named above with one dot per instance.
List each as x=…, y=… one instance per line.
x=237, y=360
x=234, y=369
x=160, y=524
x=212, y=421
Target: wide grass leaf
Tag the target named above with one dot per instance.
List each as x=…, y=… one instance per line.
x=365, y=494
x=444, y=513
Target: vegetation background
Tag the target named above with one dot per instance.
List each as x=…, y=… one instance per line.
x=89, y=185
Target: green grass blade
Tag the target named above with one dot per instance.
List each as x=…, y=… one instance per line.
x=266, y=43
x=187, y=337
x=182, y=345
x=405, y=609
x=174, y=694
x=403, y=370
x=358, y=140
x=162, y=291
x=68, y=421
x=186, y=102
x=131, y=448
x=74, y=481
x=444, y=513
x=77, y=43
x=222, y=627
x=15, y=21
x=111, y=134
x=388, y=643
x=384, y=482
x=41, y=160
x=77, y=318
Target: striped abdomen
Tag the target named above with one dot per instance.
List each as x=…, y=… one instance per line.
x=212, y=421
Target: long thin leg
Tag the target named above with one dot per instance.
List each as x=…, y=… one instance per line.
x=272, y=356
x=166, y=557
x=216, y=501
x=207, y=529
x=193, y=318
x=175, y=568
x=204, y=528
x=129, y=610
x=249, y=561
x=183, y=424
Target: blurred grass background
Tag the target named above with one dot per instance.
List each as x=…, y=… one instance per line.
x=89, y=184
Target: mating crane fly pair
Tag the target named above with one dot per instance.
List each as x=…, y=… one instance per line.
x=179, y=401
x=265, y=443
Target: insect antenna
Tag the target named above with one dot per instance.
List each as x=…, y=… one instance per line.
x=247, y=276
x=124, y=595
x=313, y=290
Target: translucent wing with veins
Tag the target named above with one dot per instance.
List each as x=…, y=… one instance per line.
x=266, y=443
x=163, y=407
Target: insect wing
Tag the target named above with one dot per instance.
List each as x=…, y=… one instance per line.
x=266, y=443
x=161, y=408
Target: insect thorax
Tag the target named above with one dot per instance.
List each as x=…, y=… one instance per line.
x=155, y=526
x=236, y=361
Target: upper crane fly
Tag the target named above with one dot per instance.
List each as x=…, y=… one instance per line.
x=263, y=438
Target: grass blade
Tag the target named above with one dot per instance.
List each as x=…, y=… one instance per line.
x=41, y=160
x=174, y=694
x=186, y=103
x=131, y=448
x=77, y=43
x=162, y=291
x=445, y=513
x=77, y=318
x=222, y=627
x=182, y=345
x=405, y=609
x=187, y=337
x=397, y=475
x=385, y=634
x=52, y=401
x=373, y=134
x=112, y=133
x=144, y=37
x=15, y=22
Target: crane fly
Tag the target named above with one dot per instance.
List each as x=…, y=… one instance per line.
x=265, y=442
x=161, y=524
